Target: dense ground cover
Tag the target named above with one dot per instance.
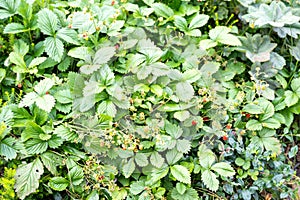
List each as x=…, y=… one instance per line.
x=109, y=99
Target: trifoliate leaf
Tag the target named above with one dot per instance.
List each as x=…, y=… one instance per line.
x=150, y=50
x=181, y=173
x=92, y=88
x=45, y=102
x=27, y=178
x=32, y=130
x=223, y=168
x=210, y=180
x=267, y=141
x=47, y=21
x=107, y=76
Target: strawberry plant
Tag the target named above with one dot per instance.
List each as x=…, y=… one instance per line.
x=124, y=99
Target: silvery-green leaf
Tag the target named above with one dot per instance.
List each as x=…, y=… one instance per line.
x=44, y=86
x=210, y=180
x=54, y=48
x=28, y=99
x=45, y=102
x=27, y=178
x=47, y=21
x=103, y=55
x=184, y=91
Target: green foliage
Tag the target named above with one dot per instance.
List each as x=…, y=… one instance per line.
x=7, y=183
x=149, y=99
